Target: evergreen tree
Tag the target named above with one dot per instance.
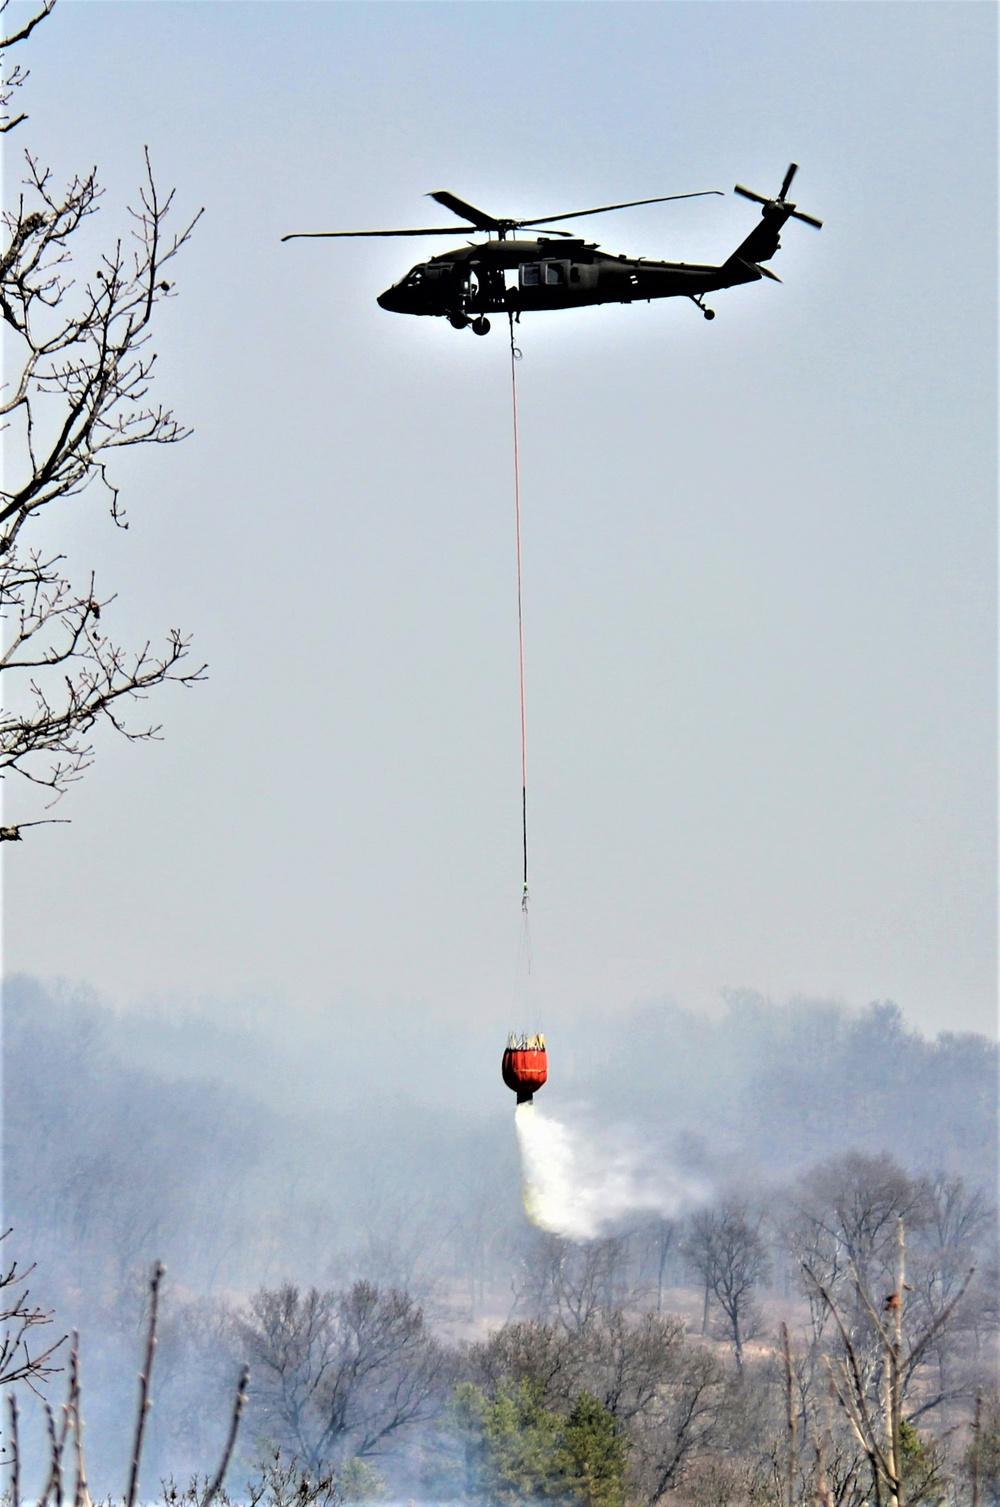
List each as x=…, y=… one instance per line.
x=593, y=1454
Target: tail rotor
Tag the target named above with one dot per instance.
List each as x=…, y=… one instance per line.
x=781, y=204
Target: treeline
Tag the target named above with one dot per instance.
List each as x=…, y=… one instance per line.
x=224, y=1152
x=772, y=1089
x=119, y=1151
x=842, y=1350
x=642, y=1368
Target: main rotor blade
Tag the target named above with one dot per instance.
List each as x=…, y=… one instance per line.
x=477, y=217
x=809, y=219
x=308, y=235
x=604, y=209
x=793, y=168
x=748, y=193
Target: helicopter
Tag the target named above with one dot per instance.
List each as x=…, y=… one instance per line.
x=558, y=270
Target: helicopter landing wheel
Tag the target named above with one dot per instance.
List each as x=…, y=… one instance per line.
x=457, y=321
x=708, y=313
x=481, y=326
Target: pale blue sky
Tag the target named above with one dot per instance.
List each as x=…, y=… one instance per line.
x=759, y=554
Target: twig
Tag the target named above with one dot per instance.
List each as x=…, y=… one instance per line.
x=57, y=1443
x=15, y=1460
x=234, y=1423
x=921, y=1344
x=81, y=1494
x=144, y=1400
x=28, y=27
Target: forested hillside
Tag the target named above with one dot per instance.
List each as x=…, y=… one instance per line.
x=291, y=1201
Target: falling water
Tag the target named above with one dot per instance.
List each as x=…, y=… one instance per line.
x=576, y=1183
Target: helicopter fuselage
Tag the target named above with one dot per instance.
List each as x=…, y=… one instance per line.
x=561, y=271
x=521, y=276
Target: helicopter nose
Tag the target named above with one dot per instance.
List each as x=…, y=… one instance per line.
x=390, y=300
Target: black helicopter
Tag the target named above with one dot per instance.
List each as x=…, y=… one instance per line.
x=515, y=276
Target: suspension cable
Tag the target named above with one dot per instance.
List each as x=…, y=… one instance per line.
x=515, y=356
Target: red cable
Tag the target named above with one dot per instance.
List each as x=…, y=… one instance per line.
x=514, y=353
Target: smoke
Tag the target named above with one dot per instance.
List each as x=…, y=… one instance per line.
x=576, y=1185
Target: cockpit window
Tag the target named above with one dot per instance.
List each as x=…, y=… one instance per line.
x=555, y=274
x=531, y=275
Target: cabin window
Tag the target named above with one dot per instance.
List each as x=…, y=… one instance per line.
x=547, y=274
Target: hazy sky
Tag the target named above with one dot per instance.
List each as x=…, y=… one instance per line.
x=759, y=553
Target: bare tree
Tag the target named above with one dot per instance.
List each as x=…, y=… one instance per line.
x=574, y=1283
x=841, y=1223
x=657, y=1240
x=874, y=1394
x=663, y=1392
x=80, y=369
x=341, y=1373
x=679, y=1422
x=21, y=1358
x=544, y=1355
x=725, y=1248
x=957, y=1224
x=65, y=1434
x=399, y=1247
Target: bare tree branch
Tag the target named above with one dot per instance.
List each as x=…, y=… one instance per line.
x=142, y=1411
x=218, y=1479
x=15, y=1456
x=11, y=81
x=19, y=1320
x=24, y=31
x=78, y=391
